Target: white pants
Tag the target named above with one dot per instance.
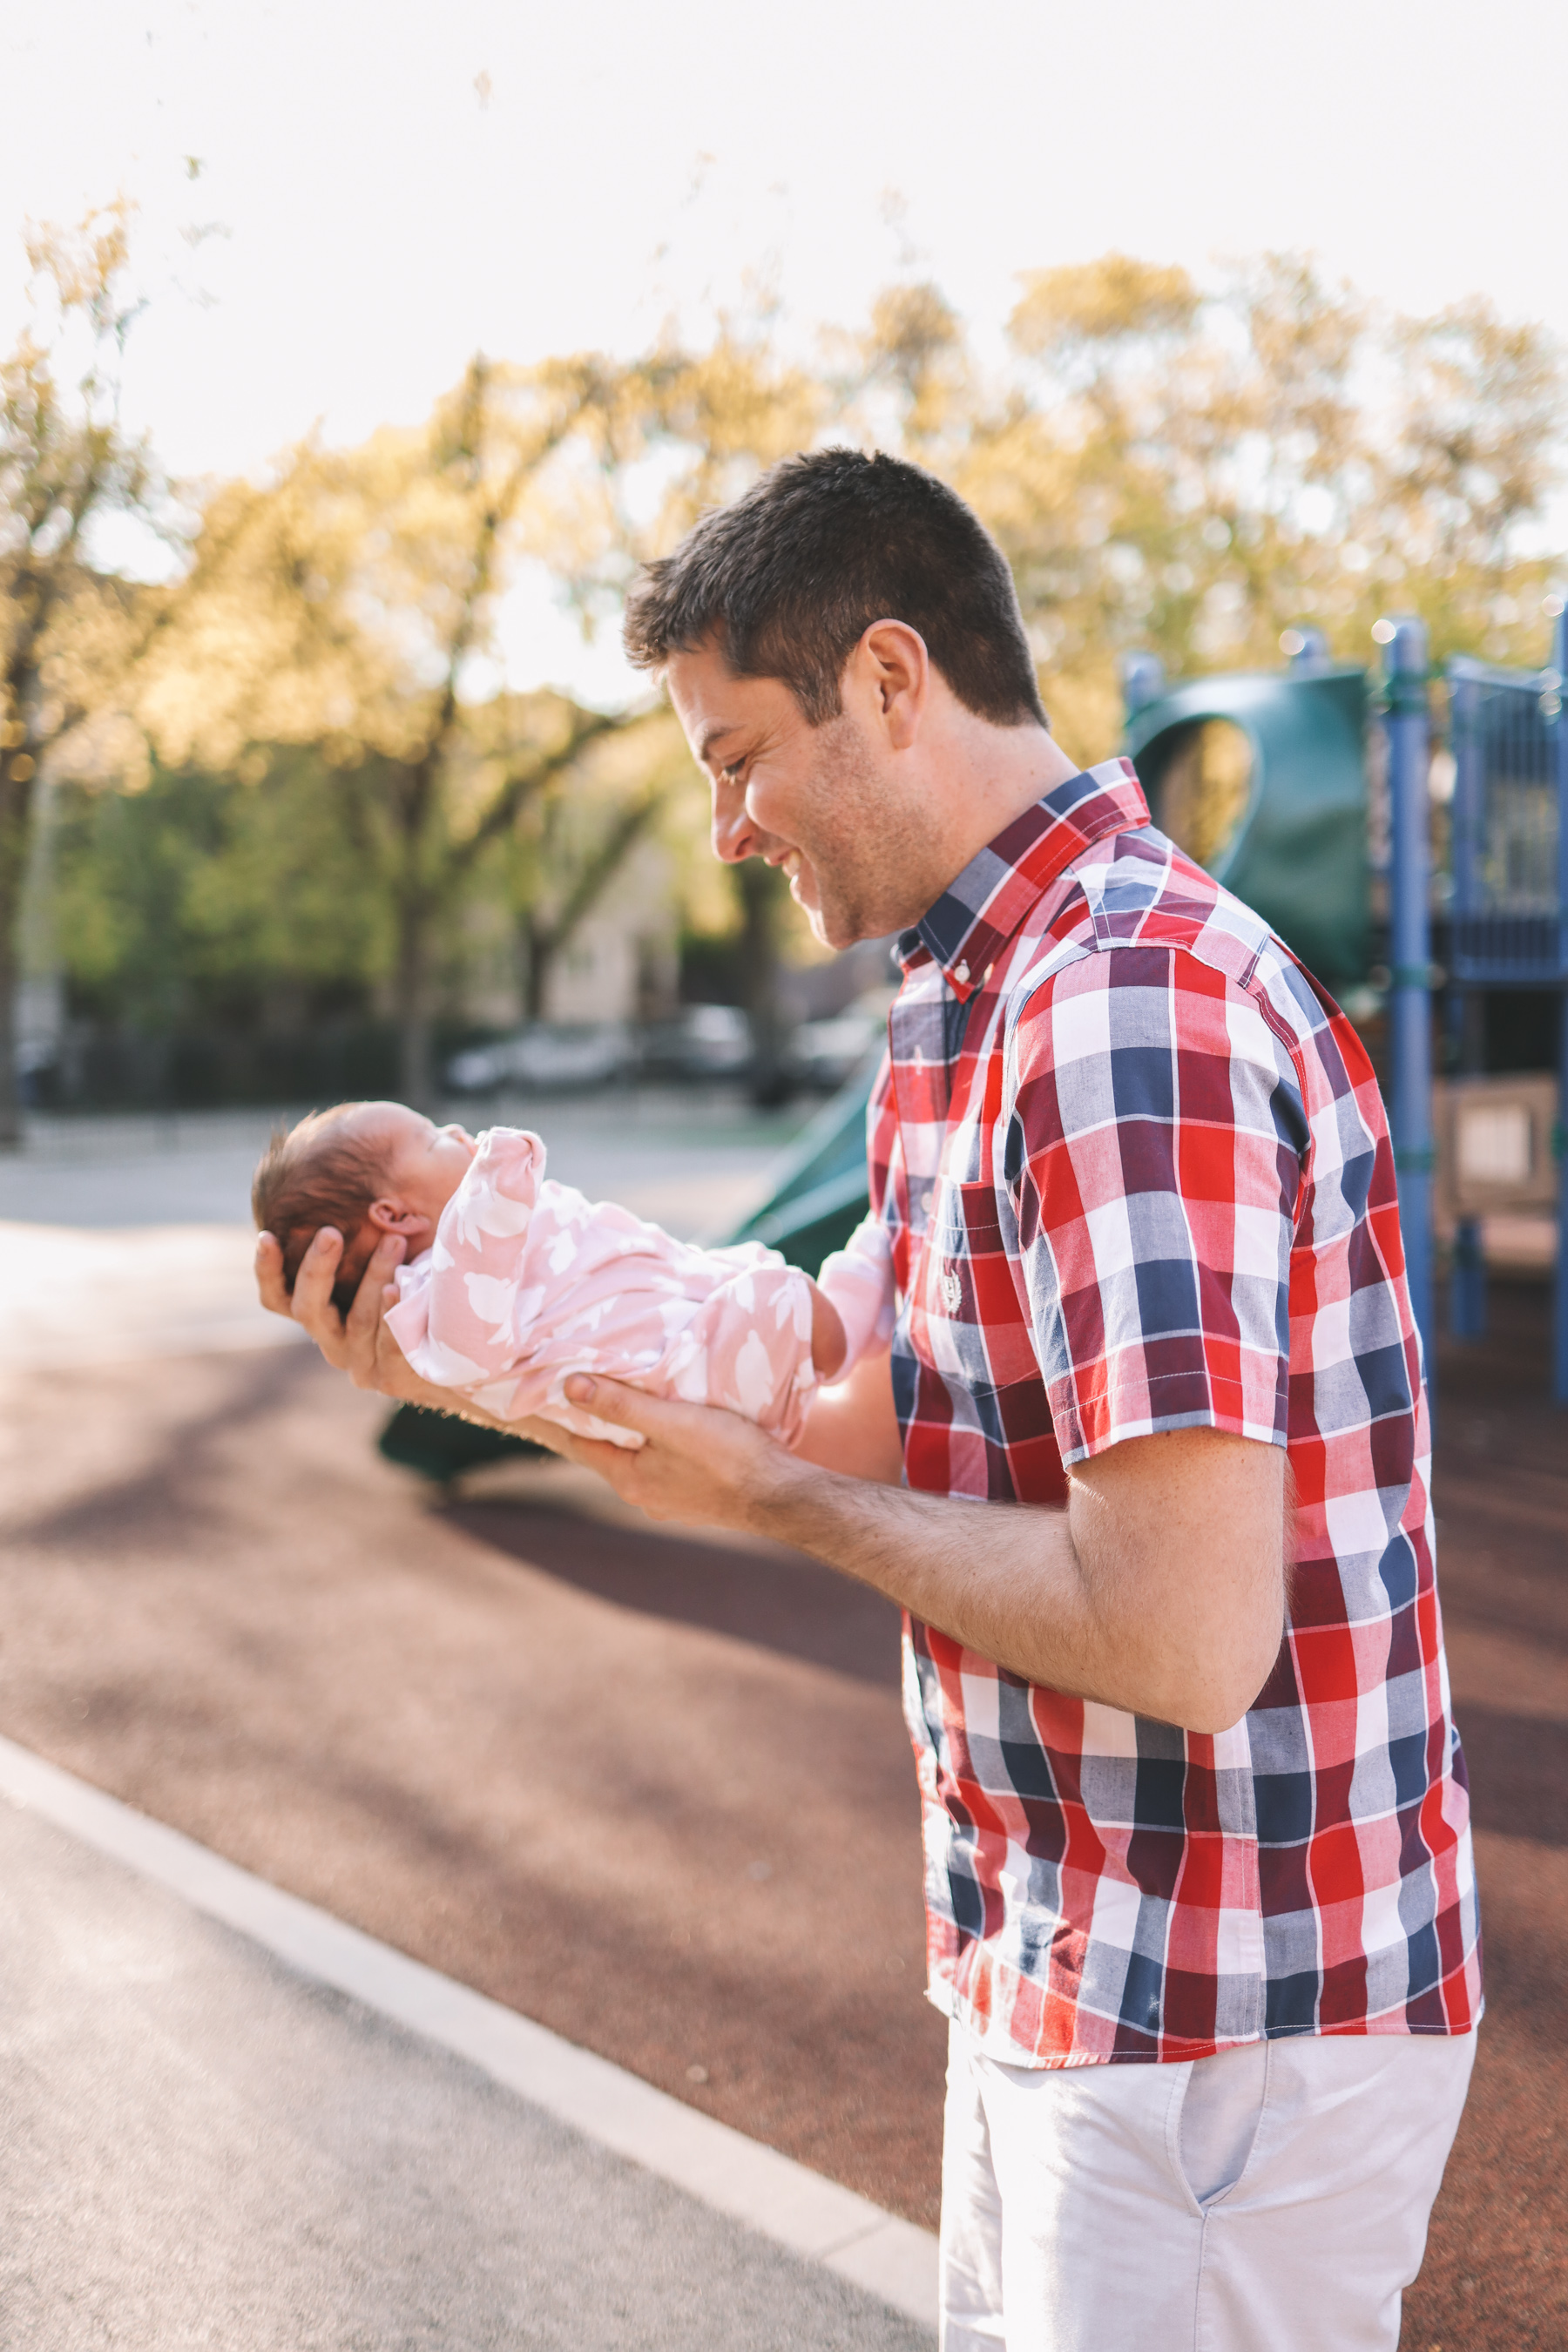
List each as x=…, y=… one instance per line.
x=1272, y=2199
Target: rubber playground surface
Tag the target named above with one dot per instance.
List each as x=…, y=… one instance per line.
x=654, y=1790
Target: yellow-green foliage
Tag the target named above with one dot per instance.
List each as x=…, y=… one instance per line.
x=1186, y=469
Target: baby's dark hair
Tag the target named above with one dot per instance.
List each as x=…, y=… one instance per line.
x=318, y=1173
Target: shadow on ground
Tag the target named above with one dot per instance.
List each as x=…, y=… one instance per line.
x=787, y=1605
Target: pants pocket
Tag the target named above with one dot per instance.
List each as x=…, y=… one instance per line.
x=1221, y=2109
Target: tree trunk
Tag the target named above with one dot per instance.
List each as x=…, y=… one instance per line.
x=416, y=1028
x=542, y=942
x=762, y=898
x=539, y=949
x=16, y=795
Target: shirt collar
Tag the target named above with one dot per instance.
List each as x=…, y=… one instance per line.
x=983, y=907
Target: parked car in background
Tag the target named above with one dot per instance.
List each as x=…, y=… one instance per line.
x=556, y=1056
x=704, y=1041
x=825, y=1054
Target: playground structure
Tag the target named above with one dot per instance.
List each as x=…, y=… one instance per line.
x=1263, y=779
x=1278, y=784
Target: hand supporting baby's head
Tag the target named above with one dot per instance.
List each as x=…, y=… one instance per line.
x=368, y=1169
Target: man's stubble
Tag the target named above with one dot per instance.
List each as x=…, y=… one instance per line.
x=865, y=845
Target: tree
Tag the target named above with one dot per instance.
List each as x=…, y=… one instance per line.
x=350, y=603
x=572, y=868
x=1182, y=469
x=69, y=629
x=1194, y=472
x=216, y=900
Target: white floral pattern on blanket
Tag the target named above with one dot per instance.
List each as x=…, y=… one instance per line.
x=527, y=1282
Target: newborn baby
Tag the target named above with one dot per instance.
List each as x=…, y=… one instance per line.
x=513, y=1282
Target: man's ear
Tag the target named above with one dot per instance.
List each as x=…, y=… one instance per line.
x=390, y=1216
x=893, y=667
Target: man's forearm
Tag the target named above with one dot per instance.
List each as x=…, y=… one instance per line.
x=1159, y=1591
x=1004, y=1581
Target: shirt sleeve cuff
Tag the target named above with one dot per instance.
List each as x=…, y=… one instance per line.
x=1090, y=1418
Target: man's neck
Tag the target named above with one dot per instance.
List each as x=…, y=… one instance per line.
x=991, y=775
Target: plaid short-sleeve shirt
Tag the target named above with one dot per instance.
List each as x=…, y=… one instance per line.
x=1137, y=1176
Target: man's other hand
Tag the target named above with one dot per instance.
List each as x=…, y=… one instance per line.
x=697, y=1462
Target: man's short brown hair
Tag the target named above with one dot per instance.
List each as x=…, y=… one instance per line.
x=319, y=1172
x=790, y=577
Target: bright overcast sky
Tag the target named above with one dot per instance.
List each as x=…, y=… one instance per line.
x=401, y=182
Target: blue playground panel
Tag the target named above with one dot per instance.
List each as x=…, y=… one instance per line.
x=820, y=1193
x=1511, y=889
x=1511, y=847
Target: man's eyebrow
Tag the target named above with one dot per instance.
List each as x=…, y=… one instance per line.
x=711, y=735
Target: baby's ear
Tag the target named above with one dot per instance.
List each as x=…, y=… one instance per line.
x=390, y=1216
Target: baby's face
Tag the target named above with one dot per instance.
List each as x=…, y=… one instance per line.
x=422, y=1164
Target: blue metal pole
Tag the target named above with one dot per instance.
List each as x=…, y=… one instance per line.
x=1142, y=681
x=1304, y=648
x=1410, y=924
x=1467, y=1283
x=1560, y=1288
x=1467, y=1289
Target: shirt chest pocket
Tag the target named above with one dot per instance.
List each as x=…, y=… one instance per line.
x=966, y=1318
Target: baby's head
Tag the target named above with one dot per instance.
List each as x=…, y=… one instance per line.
x=368, y=1169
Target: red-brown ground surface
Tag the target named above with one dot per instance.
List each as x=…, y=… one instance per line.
x=655, y=1791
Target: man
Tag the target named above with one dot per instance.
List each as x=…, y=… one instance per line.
x=1148, y=1472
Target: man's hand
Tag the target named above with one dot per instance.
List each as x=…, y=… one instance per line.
x=854, y=1425
x=713, y=1468
x=697, y=1462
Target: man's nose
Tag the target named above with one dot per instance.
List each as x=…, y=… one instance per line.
x=734, y=835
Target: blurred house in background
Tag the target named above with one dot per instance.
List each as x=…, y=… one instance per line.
x=623, y=963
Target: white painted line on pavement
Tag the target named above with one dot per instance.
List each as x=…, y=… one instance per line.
x=755, y=2185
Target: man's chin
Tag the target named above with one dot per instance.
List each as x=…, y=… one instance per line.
x=818, y=918
x=837, y=926
x=831, y=927
x=839, y=923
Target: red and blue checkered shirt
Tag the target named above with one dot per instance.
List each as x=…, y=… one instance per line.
x=1137, y=1176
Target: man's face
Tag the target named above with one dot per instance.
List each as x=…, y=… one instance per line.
x=824, y=803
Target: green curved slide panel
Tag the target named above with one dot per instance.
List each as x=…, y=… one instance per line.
x=1299, y=855
x=435, y=1446
x=819, y=1195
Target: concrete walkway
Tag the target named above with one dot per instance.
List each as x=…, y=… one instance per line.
x=204, y=2147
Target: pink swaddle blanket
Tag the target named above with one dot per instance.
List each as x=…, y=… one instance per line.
x=527, y=1282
